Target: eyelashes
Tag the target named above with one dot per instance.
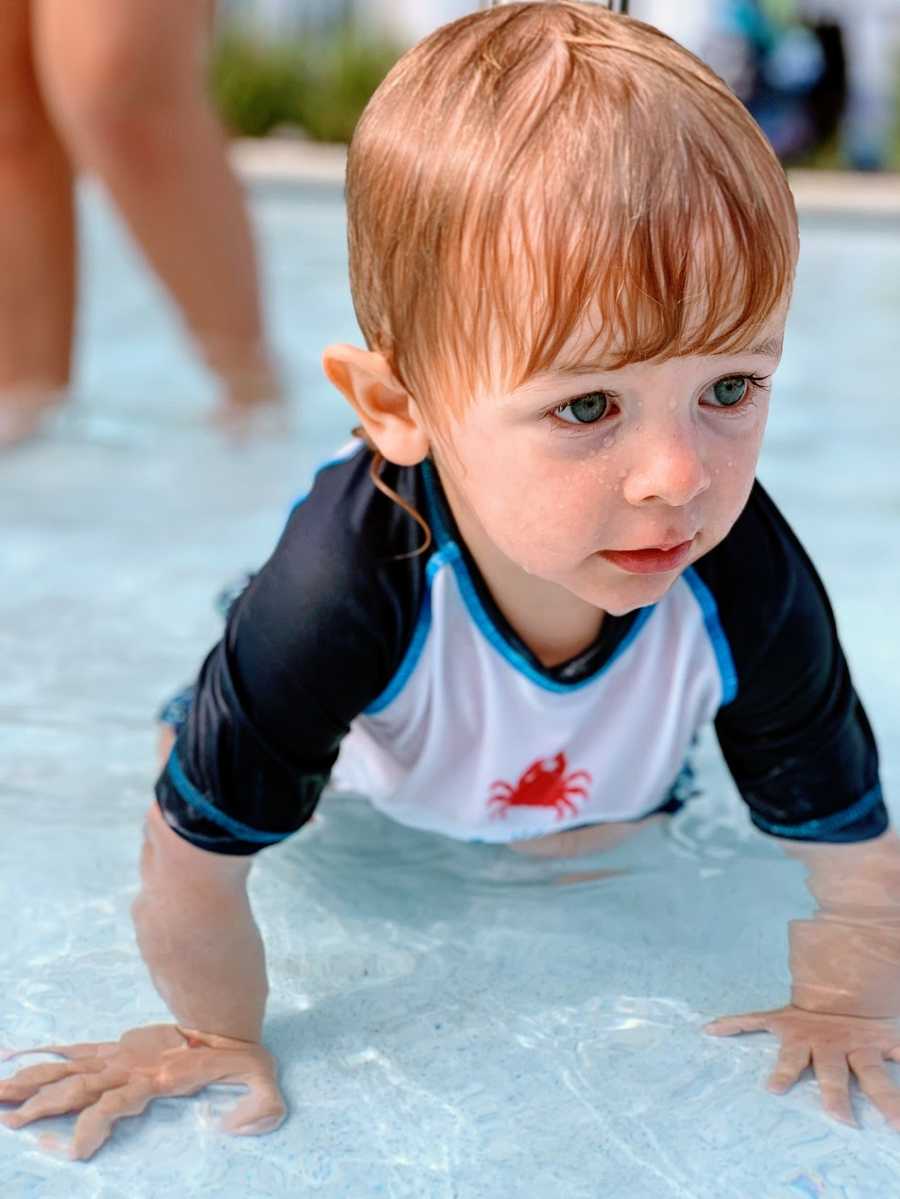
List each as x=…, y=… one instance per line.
x=760, y=382
x=598, y=404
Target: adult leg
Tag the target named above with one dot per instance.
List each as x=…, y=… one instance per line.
x=125, y=82
x=37, y=239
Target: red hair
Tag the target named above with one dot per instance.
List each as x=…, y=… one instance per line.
x=537, y=169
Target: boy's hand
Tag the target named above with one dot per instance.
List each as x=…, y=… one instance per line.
x=834, y=1046
x=119, y=1078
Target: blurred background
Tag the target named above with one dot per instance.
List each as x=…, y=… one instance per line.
x=821, y=76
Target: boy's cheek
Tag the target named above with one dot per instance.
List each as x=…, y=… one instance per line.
x=543, y=526
x=555, y=498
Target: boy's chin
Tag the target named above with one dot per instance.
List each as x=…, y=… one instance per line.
x=628, y=593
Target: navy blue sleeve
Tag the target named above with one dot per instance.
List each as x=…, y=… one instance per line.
x=796, y=737
x=316, y=636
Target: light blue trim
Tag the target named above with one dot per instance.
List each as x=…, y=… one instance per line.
x=518, y=660
x=482, y=619
x=351, y=451
x=721, y=648
x=419, y=637
x=192, y=796
x=826, y=824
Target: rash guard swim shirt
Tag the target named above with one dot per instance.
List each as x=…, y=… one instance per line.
x=345, y=664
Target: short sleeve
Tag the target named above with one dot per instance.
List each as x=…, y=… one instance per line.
x=795, y=737
x=312, y=641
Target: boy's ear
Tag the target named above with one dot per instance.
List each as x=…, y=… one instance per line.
x=387, y=411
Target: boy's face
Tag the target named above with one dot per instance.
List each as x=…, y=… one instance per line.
x=575, y=479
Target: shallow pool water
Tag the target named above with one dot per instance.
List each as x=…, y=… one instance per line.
x=452, y=1020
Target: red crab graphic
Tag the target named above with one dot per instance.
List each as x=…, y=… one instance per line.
x=545, y=784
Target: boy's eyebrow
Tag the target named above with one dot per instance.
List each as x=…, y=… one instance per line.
x=770, y=347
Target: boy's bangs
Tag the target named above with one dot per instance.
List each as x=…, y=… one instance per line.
x=587, y=267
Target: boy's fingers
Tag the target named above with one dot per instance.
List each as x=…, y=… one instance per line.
x=95, y=1123
x=24, y=1084
x=792, y=1061
x=93, y=1085
x=874, y=1082
x=72, y=1052
x=727, y=1026
x=833, y=1075
x=55, y=1099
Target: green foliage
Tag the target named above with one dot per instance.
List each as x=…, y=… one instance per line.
x=256, y=86
x=341, y=80
x=321, y=87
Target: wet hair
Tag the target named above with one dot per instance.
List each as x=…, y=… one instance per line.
x=534, y=169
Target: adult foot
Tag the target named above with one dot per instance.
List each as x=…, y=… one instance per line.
x=252, y=395
x=23, y=410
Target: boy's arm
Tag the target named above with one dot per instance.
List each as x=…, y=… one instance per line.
x=845, y=966
x=845, y=960
x=197, y=934
x=802, y=751
x=205, y=955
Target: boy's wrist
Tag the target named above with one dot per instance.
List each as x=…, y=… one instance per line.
x=198, y=1038
x=845, y=969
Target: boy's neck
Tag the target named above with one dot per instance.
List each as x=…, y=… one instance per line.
x=555, y=624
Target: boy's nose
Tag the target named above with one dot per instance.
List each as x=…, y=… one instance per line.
x=668, y=469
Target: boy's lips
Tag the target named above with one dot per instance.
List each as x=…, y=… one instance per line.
x=657, y=559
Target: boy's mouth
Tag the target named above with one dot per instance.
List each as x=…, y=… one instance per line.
x=653, y=560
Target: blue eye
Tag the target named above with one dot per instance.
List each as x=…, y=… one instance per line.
x=585, y=410
x=729, y=392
